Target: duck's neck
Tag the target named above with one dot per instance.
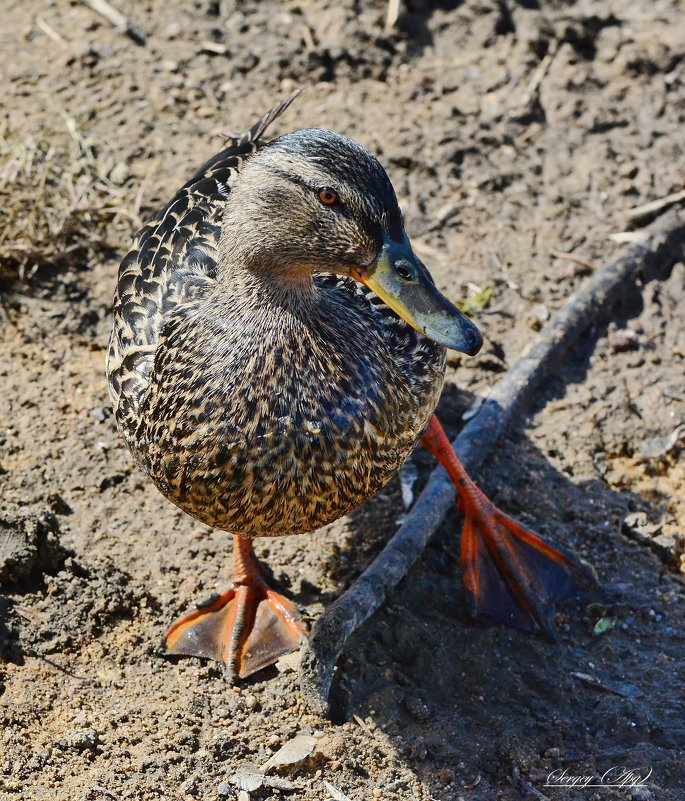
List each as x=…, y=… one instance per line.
x=266, y=288
x=255, y=267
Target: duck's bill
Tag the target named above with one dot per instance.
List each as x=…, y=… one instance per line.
x=401, y=281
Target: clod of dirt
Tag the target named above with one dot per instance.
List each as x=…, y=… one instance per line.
x=668, y=546
x=653, y=447
x=28, y=543
x=86, y=740
x=290, y=663
x=622, y=339
x=417, y=708
x=331, y=746
x=82, y=601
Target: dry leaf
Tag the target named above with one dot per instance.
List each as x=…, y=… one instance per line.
x=292, y=752
x=336, y=795
x=249, y=778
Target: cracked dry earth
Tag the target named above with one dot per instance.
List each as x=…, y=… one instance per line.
x=515, y=133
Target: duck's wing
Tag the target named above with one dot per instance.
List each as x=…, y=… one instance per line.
x=172, y=266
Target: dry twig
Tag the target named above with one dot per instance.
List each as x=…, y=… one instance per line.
x=559, y=254
x=628, y=237
x=49, y=31
x=118, y=20
x=593, y=681
x=527, y=786
x=655, y=206
x=532, y=89
x=508, y=398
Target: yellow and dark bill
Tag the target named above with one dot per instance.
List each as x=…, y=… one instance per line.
x=401, y=280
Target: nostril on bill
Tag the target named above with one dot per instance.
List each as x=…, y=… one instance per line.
x=403, y=270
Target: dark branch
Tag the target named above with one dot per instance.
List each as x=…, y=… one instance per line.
x=647, y=258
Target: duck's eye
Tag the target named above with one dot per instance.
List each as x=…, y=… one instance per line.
x=328, y=196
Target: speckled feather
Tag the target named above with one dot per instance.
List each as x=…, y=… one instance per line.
x=259, y=418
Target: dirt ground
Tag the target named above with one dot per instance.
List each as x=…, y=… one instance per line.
x=514, y=132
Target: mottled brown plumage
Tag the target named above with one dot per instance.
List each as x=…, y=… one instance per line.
x=262, y=399
x=277, y=352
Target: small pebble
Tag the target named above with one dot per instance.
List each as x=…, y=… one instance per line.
x=86, y=740
x=99, y=413
x=416, y=708
x=540, y=312
x=172, y=30
x=250, y=701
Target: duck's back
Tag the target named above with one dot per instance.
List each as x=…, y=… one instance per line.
x=170, y=268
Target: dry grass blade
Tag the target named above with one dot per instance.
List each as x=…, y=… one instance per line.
x=392, y=14
x=61, y=198
x=559, y=254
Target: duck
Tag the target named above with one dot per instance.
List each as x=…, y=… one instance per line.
x=277, y=353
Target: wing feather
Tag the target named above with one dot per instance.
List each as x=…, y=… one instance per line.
x=172, y=266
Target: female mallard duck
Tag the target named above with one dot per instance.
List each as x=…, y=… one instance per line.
x=278, y=351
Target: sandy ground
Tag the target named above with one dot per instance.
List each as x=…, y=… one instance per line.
x=513, y=134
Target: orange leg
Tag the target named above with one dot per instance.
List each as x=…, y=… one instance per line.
x=247, y=628
x=510, y=573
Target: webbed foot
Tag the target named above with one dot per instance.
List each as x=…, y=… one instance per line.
x=247, y=628
x=510, y=573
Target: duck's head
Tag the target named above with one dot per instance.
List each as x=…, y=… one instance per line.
x=314, y=201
